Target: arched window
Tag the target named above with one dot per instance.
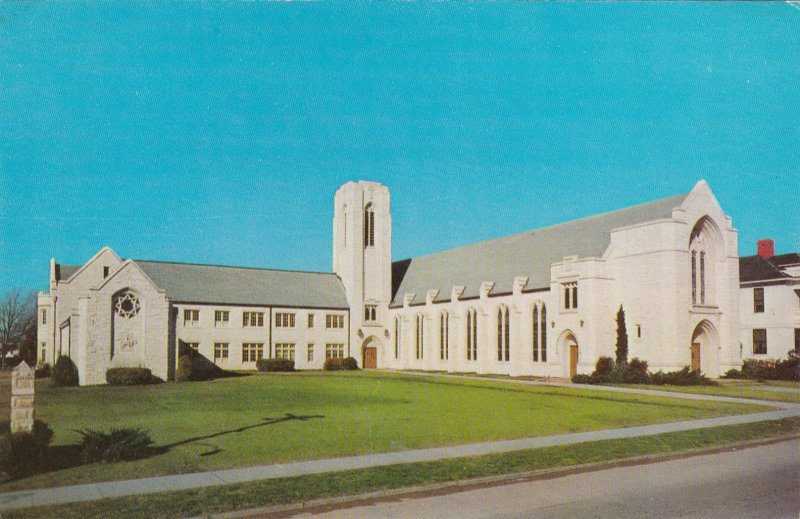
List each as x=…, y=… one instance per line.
x=397, y=337
x=472, y=335
x=539, y=334
x=444, y=336
x=503, y=335
x=543, y=337
x=704, y=240
x=369, y=226
x=420, y=335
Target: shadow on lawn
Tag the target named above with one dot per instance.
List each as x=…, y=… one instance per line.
x=62, y=457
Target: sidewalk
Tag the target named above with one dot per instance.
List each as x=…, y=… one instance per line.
x=92, y=491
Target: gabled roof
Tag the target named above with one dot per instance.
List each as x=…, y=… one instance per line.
x=756, y=268
x=213, y=284
x=528, y=254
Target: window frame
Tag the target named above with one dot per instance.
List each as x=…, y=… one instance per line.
x=221, y=351
x=759, y=302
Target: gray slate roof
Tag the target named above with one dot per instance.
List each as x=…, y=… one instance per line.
x=756, y=268
x=190, y=283
x=528, y=254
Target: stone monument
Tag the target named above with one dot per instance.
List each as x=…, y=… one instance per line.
x=22, y=393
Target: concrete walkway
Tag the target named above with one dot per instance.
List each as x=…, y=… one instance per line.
x=92, y=491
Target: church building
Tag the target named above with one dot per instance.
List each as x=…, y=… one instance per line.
x=538, y=303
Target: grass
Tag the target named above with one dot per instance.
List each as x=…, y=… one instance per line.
x=300, y=489
x=279, y=418
x=736, y=388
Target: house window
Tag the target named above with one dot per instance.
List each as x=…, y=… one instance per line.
x=310, y=320
x=193, y=345
x=543, y=332
x=284, y=320
x=758, y=300
x=221, y=317
x=397, y=337
x=702, y=277
x=105, y=272
x=252, y=351
x=638, y=331
x=759, y=341
x=570, y=295
x=43, y=352
x=310, y=353
x=44, y=316
x=284, y=351
x=252, y=319
x=191, y=317
x=334, y=351
x=420, y=335
x=797, y=341
x=369, y=226
x=444, y=336
x=472, y=335
x=220, y=351
x=503, y=335
x=370, y=313
x=334, y=321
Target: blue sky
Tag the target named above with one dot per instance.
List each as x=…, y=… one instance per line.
x=219, y=132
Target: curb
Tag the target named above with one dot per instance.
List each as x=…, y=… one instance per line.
x=451, y=487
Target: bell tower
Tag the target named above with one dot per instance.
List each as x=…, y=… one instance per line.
x=362, y=257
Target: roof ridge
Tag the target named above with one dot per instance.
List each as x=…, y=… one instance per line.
x=549, y=227
x=211, y=265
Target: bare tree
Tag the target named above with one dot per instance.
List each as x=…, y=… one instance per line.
x=17, y=321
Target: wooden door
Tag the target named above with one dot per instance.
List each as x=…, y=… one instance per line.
x=370, y=358
x=573, y=360
x=695, y=356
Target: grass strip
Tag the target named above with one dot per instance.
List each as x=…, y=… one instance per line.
x=304, y=488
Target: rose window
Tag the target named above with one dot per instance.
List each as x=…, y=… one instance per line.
x=127, y=305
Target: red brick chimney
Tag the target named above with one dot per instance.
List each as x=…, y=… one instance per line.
x=766, y=248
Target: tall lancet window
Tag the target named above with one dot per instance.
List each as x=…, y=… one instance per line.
x=369, y=226
x=539, y=332
x=503, y=335
x=444, y=336
x=472, y=335
x=420, y=335
x=694, y=277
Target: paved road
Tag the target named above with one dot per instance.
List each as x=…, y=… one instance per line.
x=761, y=482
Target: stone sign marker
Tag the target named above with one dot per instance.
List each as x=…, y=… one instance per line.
x=22, y=394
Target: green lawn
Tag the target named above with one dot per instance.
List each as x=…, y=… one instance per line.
x=276, y=418
x=226, y=498
x=767, y=390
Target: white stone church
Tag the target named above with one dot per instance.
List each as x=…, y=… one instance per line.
x=539, y=303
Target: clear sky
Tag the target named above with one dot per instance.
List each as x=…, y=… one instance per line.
x=219, y=132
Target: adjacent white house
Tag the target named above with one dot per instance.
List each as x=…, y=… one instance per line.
x=538, y=303
x=769, y=303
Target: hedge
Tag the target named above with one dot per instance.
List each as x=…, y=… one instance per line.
x=348, y=363
x=275, y=365
x=753, y=369
x=129, y=376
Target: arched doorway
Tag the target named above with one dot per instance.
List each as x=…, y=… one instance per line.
x=570, y=352
x=369, y=353
x=704, y=348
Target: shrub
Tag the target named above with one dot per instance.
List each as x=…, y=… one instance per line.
x=115, y=445
x=683, y=377
x=128, y=376
x=786, y=369
x=185, y=369
x=604, y=366
x=43, y=371
x=333, y=364
x=275, y=365
x=350, y=364
x=636, y=364
x=65, y=373
x=582, y=379
x=23, y=453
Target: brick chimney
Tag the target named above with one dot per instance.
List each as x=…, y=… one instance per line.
x=766, y=248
